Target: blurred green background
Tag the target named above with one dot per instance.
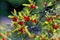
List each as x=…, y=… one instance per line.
x=6, y=6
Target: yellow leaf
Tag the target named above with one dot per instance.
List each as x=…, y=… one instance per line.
x=26, y=30
x=15, y=12
x=50, y=3
x=27, y=11
x=26, y=4
x=32, y=17
x=1, y=27
x=20, y=14
x=54, y=31
x=4, y=35
x=43, y=35
x=37, y=36
x=15, y=30
x=10, y=16
x=46, y=22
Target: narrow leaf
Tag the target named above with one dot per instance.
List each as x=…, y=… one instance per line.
x=26, y=5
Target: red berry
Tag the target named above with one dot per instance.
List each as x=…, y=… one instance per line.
x=26, y=18
x=21, y=23
x=3, y=38
x=55, y=26
x=49, y=19
x=32, y=6
x=45, y=3
x=21, y=30
x=14, y=19
x=34, y=21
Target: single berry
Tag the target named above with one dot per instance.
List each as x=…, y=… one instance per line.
x=54, y=26
x=34, y=21
x=49, y=19
x=21, y=30
x=3, y=38
x=32, y=6
x=26, y=18
x=14, y=19
x=20, y=23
